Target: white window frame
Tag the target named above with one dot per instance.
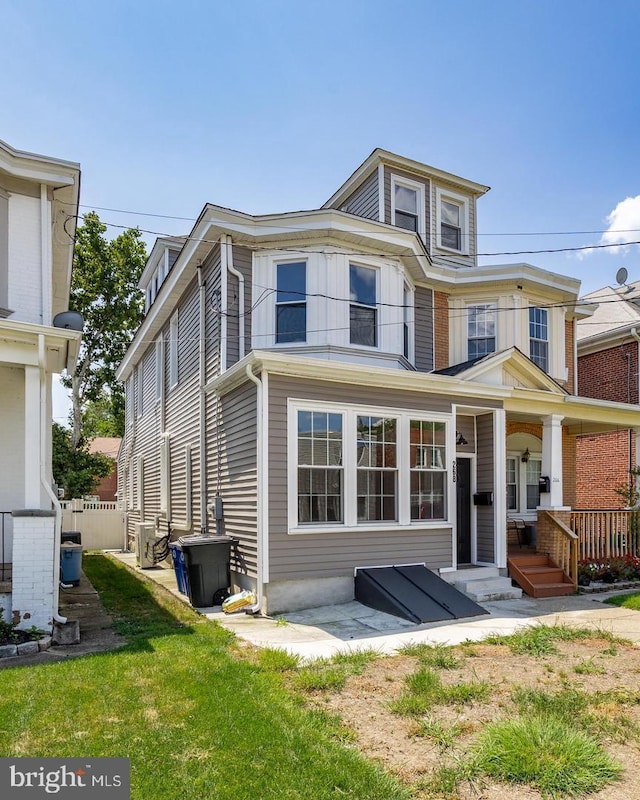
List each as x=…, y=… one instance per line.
x=419, y=188
x=489, y=304
x=463, y=203
x=532, y=339
x=349, y=413
x=303, y=301
x=521, y=511
x=376, y=307
x=408, y=322
x=173, y=351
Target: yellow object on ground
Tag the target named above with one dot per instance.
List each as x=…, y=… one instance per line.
x=238, y=601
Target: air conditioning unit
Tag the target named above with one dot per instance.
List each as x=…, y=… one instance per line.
x=145, y=540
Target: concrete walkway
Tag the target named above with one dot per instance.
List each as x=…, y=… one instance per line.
x=320, y=632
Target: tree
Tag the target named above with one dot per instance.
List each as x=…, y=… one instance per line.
x=104, y=290
x=75, y=469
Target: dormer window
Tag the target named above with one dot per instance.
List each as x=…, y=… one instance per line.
x=363, y=311
x=407, y=204
x=291, y=302
x=452, y=222
x=481, y=330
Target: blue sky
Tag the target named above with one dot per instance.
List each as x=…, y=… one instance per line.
x=269, y=106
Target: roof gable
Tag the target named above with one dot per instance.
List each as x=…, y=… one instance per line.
x=507, y=368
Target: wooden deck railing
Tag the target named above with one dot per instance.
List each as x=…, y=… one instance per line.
x=607, y=534
x=559, y=542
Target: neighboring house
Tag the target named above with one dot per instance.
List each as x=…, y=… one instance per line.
x=608, y=359
x=346, y=387
x=38, y=210
x=107, y=489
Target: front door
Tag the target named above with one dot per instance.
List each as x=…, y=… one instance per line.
x=463, y=509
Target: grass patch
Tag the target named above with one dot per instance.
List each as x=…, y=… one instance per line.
x=546, y=753
x=540, y=640
x=424, y=689
x=195, y=718
x=330, y=674
x=275, y=660
x=439, y=656
x=631, y=601
x=589, y=667
x=443, y=735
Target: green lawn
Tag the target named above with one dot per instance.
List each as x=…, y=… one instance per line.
x=196, y=719
x=631, y=601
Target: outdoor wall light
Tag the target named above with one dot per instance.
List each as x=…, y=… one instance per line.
x=525, y=456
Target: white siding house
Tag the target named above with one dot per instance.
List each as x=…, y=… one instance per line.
x=38, y=208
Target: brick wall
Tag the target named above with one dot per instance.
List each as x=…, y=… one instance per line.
x=569, y=345
x=441, y=330
x=602, y=466
x=32, y=578
x=610, y=374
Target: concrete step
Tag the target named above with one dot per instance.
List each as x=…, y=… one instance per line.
x=489, y=588
x=470, y=574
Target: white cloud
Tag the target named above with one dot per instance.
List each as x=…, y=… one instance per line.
x=623, y=227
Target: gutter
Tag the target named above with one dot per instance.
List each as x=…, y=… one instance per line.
x=261, y=500
x=240, y=277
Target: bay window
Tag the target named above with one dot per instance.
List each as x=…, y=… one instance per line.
x=539, y=337
x=363, y=308
x=481, y=330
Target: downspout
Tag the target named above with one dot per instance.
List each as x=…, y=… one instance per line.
x=127, y=466
x=46, y=483
x=260, y=494
x=240, y=277
x=224, y=265
x=632, y=482
x=202, y=379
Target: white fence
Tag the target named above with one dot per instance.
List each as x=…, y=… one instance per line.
x=102, y=525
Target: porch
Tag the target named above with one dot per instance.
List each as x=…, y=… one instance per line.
x=565, y=538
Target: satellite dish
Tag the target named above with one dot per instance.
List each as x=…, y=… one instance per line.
x=70, y=320
x=621, y=276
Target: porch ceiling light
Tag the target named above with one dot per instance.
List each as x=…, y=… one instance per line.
x=525, y=456
x=460, y=440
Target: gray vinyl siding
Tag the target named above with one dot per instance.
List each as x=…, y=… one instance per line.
x=485, y=473
x=173, y=257
x=148, y=374
x=467, y=427
x=213, y=317
x=237, y=317
x=188, y=335
x=232, y=468
x=388, y=172
x=299, y=556
x=423, y=316
x=445, y=256
x=364, y=202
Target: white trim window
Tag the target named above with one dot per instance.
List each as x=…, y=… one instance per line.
x=539, y=337
x=320, y=467
x=291, y=302
x=452, y=222
x=377, y=470
x=523, y=484
x=408, y=204
x=428, y=459
x=481, y=330
x=363, y=312
x=352, y=467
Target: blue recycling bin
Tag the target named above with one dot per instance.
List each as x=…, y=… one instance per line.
x=70, y=563
x=177, y=556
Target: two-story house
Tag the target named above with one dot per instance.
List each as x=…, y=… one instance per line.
x=346, y=387
x=38, y=209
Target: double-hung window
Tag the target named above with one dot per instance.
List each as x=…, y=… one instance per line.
x=291, y=302
x=320, y=467
x=377, y=478
x=406, y=207
x=523, y=484
x=427, y=449
x=363, y=305
x=451, y=225
x=366, y=467
x=481, y=330
x=539, y=337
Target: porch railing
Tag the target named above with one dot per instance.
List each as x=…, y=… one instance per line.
x=607, y=534
x=560, y=543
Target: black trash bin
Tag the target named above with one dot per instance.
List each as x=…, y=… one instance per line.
x=207, y=562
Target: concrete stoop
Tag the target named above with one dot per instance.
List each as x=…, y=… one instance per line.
x=483, y=584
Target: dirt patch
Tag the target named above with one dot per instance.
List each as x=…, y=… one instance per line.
x=399, y=744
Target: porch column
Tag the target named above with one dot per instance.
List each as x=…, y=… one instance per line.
x=552, y=460
x=500, y=486
x=32, y=442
